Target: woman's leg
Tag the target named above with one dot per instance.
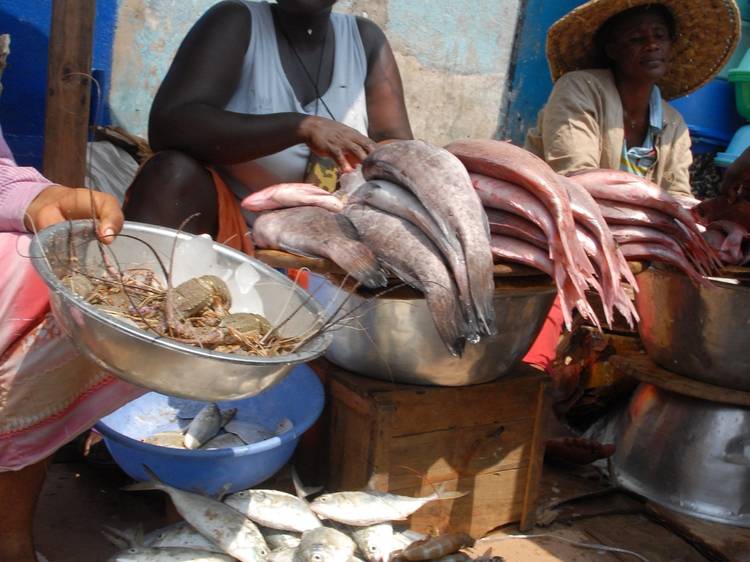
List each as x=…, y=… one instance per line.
x=19, y=493
x=170, y=187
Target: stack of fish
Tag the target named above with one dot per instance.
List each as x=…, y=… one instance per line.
x=649, y=223
x=545, y=220
x=259, y=525
x=727, y=227
x=410, y=210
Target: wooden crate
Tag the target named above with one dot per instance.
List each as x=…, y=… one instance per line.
x=484, y=439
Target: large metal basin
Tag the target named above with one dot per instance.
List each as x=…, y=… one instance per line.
x=394, y=338
x=690, y=455
x=162, y=364
x=702, y=333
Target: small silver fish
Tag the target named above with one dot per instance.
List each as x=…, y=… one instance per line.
x=275, y=509
x=375, y=542
x=173, y=439
x=179, y=535
x=223, y=441
x=282, y=555
x=234, y=533
x=370, y=507
x=151, y=554
x=205, y=425
x=324, y=545
x=278, y=539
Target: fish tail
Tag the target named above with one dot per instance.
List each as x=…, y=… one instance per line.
x=153, y=484
x=356, y=259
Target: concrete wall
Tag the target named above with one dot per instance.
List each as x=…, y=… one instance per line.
x=454, y=57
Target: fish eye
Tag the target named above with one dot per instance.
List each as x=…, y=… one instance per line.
x=373, y=548
x=317, y=557
x=323, y=499
x=263, y=552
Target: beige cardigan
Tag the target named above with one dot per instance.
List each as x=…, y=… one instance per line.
x=581, y=127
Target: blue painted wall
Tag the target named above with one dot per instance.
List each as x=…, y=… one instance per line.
x=531, y=83
x=25, y=78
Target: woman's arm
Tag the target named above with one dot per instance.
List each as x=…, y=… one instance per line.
x=386, y=109
x=188, y=113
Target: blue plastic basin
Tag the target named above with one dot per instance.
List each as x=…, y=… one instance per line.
x=710, y=112
x=740, y=141
x=299, y=398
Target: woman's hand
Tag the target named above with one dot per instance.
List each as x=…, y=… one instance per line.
x=58, y=203
x=325, y=137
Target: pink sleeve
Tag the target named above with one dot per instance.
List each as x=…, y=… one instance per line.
x=18, y=187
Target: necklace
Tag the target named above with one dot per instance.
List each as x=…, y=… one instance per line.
x=315, y=82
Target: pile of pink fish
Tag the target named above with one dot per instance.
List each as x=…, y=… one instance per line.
x=437, y=218
x=727, y=226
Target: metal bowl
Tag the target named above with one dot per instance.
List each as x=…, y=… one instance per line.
x=162, y=364
x=699, y=332
x=690, y=455
x=395, y=339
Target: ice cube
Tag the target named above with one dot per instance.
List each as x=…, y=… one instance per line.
x=193, y=257
x=246, y=277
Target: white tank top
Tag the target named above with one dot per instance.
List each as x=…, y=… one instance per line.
x=264, y=88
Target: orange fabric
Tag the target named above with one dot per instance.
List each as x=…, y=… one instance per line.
x=542, y=351
x=233, y=231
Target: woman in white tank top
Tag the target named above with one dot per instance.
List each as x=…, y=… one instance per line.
x=252, y=91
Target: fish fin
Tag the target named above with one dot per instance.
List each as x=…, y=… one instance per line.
x=120, y=538
x=223, y=492
x=356, y=259
x=299, y=488
x=347, y=227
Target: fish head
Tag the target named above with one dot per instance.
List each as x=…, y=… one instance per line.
x=376, y=542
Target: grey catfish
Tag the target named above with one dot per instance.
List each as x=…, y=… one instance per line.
x=224, y=526
x=392, y=198
x=404, y=249
x=440, y=181
x=317, y=232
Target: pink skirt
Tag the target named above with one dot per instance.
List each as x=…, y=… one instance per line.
x=49, y=393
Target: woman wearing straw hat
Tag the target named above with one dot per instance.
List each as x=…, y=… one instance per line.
x=614, y=63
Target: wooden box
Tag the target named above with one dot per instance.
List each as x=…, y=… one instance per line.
x=484, y=439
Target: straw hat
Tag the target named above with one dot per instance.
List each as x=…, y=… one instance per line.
x=707, y=32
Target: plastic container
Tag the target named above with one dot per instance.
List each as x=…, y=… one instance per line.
x=742, y=47
x=740, y=141
x=710, y=115
x=744, y=6
x=299, y=398
x=740, y=76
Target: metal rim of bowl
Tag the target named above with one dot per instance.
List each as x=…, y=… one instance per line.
x=319, y=343
x=258, y=447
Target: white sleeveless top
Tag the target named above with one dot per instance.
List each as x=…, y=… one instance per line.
x=264, y=88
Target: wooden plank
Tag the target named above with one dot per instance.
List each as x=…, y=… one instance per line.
x=536, y=458
x=722, y=543
x=541, y=549
x=641, y=367
x=349, y=448
x=494, y=499
x=640, y=535
x=68, y=91
x=448, y=454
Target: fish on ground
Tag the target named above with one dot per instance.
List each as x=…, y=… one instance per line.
x=317, y=232
x=234, y=533
x=179, y=535
x=324, y=545
x=375, y=542
x=369, y=507
x=168, y=554
x=277, y=539
x=275, y=509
